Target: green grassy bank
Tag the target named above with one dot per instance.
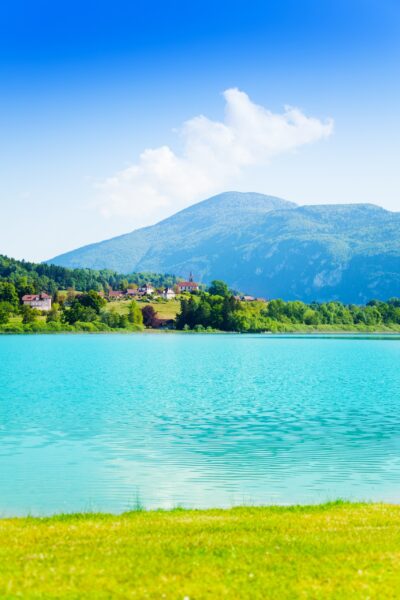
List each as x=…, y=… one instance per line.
x=330, y=551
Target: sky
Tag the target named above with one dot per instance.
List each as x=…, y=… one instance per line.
x=115, y=115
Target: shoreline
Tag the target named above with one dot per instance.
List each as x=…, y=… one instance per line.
x=338, y=549
x=140, y=509
x=320, y=332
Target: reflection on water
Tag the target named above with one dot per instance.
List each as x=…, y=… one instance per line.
x=102, y=422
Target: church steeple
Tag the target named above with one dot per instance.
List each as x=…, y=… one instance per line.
x=190, y=276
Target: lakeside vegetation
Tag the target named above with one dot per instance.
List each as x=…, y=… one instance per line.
x=219, y=309
x=337, y=550
x=80, y=303
x=200, y=313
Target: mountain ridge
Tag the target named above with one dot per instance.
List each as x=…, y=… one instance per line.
x=265, y=246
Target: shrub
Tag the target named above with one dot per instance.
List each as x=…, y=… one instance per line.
x=35, y=327
x=12, y=328
x=100, y=326
x=85, y=326
x=55, y=326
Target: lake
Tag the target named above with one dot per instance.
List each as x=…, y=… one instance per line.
x=110, y=422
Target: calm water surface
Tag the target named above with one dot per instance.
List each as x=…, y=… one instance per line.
x=101, y=422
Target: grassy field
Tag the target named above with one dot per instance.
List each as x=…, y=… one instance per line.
x=331, y=551
x=164, y=310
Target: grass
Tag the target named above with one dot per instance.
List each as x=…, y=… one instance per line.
x=336, y=550
x=164, y=310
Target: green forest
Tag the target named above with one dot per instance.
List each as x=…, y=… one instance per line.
x=32, y=278
x=219, y=309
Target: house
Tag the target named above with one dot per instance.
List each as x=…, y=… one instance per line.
x=249, y=299
x=115, y=294
x=168, y=294
x=188, y=286
x=40, y=301
x=131, y=292
x=147, y=289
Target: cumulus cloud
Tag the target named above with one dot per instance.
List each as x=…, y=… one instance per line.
x=215, y=155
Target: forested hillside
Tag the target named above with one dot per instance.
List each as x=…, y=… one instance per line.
x=267, y=247
x=31, y=278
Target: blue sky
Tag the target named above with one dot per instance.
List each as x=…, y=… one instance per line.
x=87, y=87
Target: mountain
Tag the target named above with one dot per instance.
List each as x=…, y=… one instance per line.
x=265, y=246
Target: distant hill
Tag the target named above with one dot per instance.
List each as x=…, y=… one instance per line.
x=265, y=246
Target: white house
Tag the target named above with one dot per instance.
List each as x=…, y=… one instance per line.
x=168, y=294
x=147, y=289
x=39, y=301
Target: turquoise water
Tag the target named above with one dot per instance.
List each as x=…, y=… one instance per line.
x=102, y=422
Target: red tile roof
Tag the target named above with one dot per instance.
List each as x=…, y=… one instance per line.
x=188, y=284
x=35, y=297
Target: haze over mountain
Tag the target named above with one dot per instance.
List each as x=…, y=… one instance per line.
x=265, y=246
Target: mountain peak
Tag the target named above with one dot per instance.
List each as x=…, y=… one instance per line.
x=264, y=246
x=247, y=202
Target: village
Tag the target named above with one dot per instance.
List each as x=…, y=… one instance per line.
x=148, y=290
x=43, y=301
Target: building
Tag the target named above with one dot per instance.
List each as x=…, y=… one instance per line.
x=188, y=286
x=115, y=294
x=147, y=289
x=249, y=299
x=39, y=301
x=168, y=294
x=132, y=292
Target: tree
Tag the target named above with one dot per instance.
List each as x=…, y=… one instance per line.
x=149, y=316
x=92, y=300
x=61, y=297
x=135, y=315
x=111, y=318
x=53, y=316
x=6, y=309
x=78, y=312
x=218, y=288
x=29, y=314
x=310, y=317
x=8, y=293
x=182, y=316
x=84, y=307
x=123, y=321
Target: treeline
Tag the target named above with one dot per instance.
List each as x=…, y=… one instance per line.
x=32, y=278
x=83, y=312
x=219, y=309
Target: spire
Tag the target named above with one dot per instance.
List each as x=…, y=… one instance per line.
x=191, y=276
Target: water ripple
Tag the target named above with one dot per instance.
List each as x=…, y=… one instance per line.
x=102, y=422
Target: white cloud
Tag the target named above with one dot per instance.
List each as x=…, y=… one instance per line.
x=215, y=155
